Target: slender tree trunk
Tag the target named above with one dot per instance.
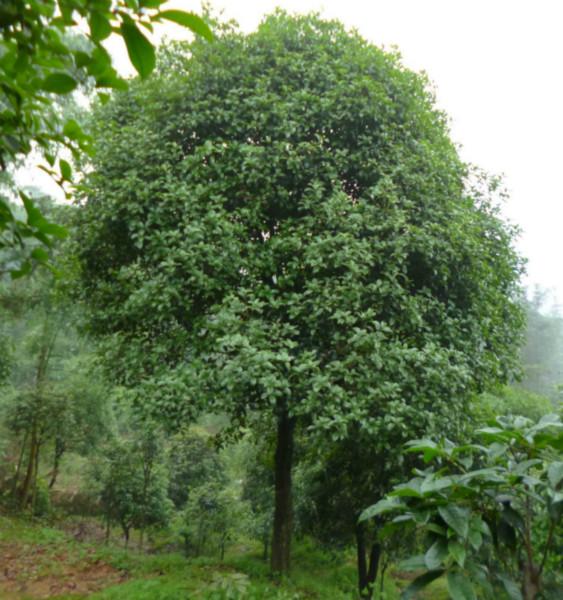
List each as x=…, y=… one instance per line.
x=367, y=570
x=28, y=485
x=28, y=480
x=60, y=448
x=108, y=529
x=35, y=471
x=382, y=577
x=283, y=513
x=19, y=466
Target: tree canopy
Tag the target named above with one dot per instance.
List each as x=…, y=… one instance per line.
x=285, y=232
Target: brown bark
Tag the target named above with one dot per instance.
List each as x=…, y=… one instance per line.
x=283, y=512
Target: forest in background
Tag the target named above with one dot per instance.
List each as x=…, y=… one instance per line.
x=94, y=440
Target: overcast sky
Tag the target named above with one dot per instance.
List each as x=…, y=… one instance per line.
x=497, y=70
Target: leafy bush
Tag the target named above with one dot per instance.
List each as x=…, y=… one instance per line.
x=490, y=510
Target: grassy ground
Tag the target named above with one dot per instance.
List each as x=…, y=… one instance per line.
x=40, y=561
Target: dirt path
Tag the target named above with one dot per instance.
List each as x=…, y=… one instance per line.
x=35, y=571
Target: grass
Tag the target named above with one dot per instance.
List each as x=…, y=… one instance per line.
x=41, y=555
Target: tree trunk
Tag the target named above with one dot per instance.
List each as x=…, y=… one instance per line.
x=19, y=466
x=35, y=471
x=28, y=480
x=367, y=571
x=60, y=448
x=532, y=583
x=283, y=513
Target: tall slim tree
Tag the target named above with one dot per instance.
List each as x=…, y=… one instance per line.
x=278, y=227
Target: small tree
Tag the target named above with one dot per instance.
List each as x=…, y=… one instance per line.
x=491, y=511
x=132, y=493
x=212, y=516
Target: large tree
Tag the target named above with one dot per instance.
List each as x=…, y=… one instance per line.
x=279, y=227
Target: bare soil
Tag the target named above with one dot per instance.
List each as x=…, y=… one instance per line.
x=42, y=572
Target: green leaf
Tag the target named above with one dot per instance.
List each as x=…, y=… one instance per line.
x=34, y=215
x=25, y=269
x=53, y=229
x=73, y=130
x=432, y=484
x=140, y=50
x=151, y=3
x=40, y=254
x=457, y=552
x=555, y=473
x=511, y=587
x=413, y=563
x=475, y=538
x=435, y=555
x=66, y=169
x=405, y=491
x=456, y=517
x=59, y=83
x=111, y=80
x=420, y=583
x=189, y=20
x=460, y=586
x=383, y=506
x=100, y=27
x=82, y=59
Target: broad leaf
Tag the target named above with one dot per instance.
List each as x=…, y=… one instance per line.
x=380, y=507
x=189, y=20
x=511, y=587
x=59, y=83
x=460, y=587
x=100, y=27
x=140, y=50
x=555, y=473
x=457, y=552
x=66, y=169
x=457, y=518
x=435, y=555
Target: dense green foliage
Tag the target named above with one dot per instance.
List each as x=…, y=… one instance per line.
x=37, y=60
x=279, y=272
x=292, y=234
x=491, y=510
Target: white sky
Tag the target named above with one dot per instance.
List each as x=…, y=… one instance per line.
x=497, y=68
